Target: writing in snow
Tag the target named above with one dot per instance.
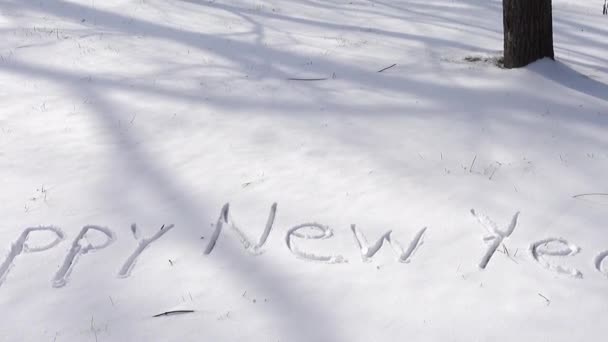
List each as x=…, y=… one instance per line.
x=539, y=250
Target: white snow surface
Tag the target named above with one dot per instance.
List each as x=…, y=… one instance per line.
x=127, y=115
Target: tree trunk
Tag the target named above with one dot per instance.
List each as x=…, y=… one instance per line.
x=528, y=30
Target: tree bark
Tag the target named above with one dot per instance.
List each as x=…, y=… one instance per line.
x=528, y=31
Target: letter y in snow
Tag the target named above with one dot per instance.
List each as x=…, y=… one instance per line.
x=496, y=235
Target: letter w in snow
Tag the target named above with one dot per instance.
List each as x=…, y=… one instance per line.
x=367, y=251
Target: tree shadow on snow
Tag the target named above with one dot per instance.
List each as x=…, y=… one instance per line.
x=446, y=97
x=564, y=75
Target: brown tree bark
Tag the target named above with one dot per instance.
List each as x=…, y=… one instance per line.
x=528, y=31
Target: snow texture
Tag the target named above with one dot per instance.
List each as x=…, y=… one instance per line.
x=323, y=123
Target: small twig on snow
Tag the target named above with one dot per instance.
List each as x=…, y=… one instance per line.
x=472, y=163
x=545, y=298
x=173, y=312
x=591, y=194
x=388, y=67
x=307, y=79
x=492, y=175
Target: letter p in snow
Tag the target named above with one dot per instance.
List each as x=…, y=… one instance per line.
x=21, y=246
x=80, y=246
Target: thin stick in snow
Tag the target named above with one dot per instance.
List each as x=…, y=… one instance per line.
x=545, y=298
x=492, y=175
x=591, y=194
x=388, y=67
x=472, y=163
x=173, y=312
x=307, y=79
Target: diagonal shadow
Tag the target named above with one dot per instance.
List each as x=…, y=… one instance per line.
x=138, y=159
x=144, y=166
x=204, y=41
x=562, y=74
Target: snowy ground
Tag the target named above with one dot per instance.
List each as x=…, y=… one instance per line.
x=159, y=112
